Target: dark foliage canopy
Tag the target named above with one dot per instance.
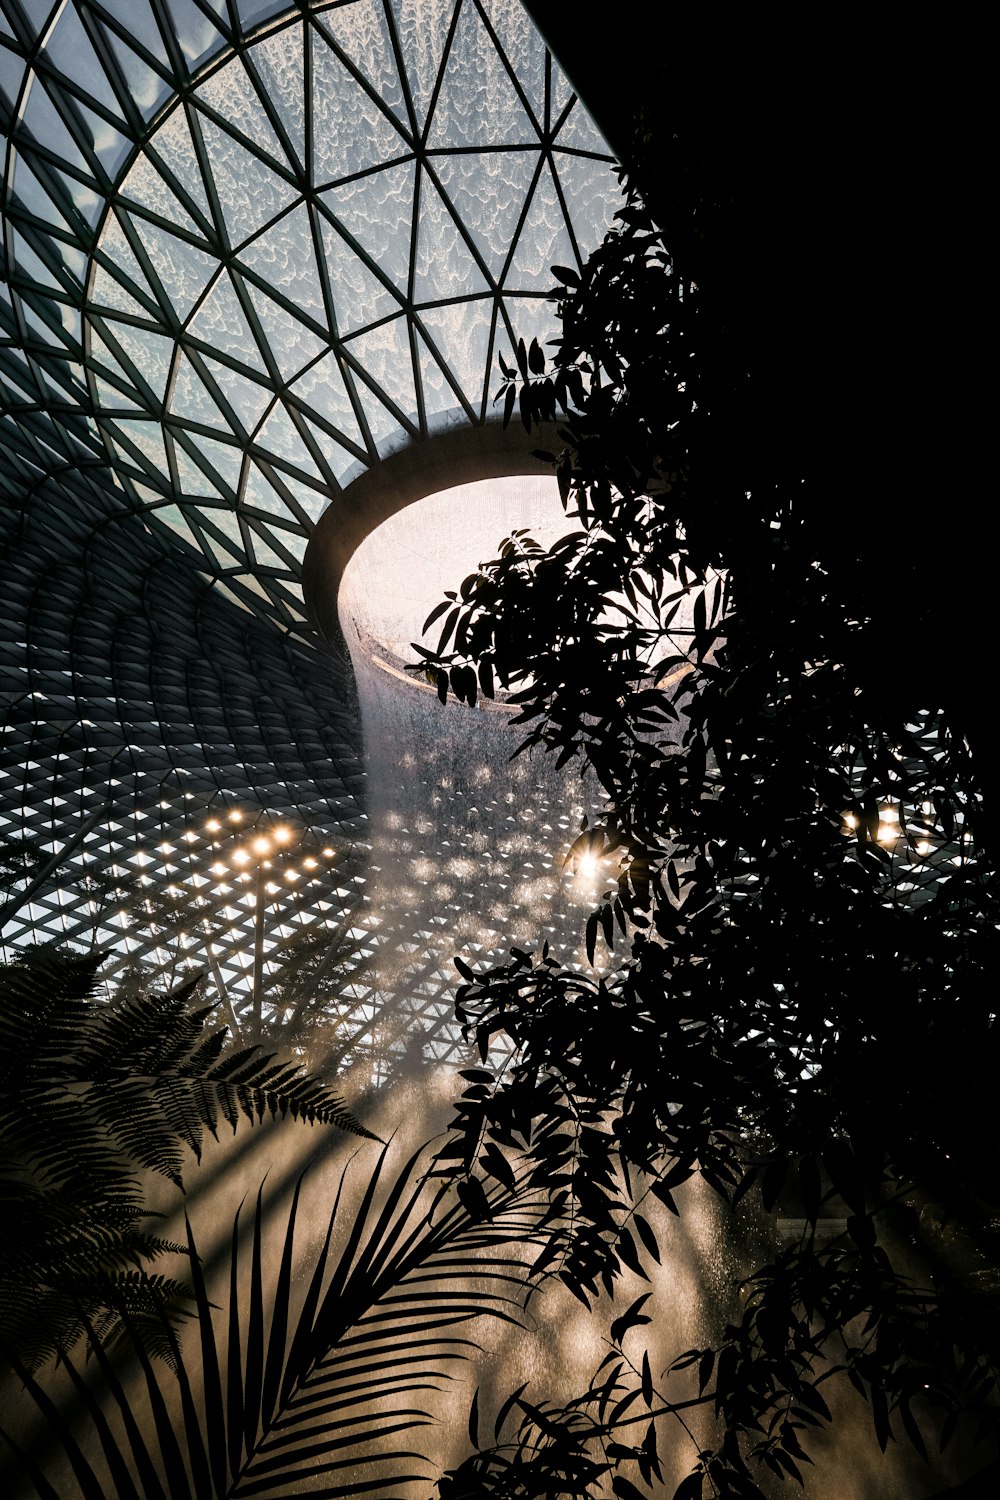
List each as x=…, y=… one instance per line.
x=792, y=994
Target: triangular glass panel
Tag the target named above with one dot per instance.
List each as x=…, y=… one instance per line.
x=12, y=70
x=173, y=144
x=249, y=192
x=543, y=242
x=183, y=270
x=444, y=266
x=378, y=212
x=350, y=132
x=336, y=460
x=280, y=437
x=109, y=145
x=359, y=30
x=279, y=59
x=142, y=26
x=525, y=50
x=248, y=400
x=384, y=352
x=222, y=555
x=144, y=186
x=34, y=197
x=146, y=436
x=177, y=520
x=103, y=359
x=43, y=121
x=531, y=318
x=422, y=32
x=143, y=491
x=191, y=480
x=151, y=353
x=41, y=327
x=478, y=104
x=225, y=459
x=460, y=333
x=593, y=196
x=580, y=132
x=221, y=323
x=147, y=89
x=191, y=401
x=260, y=494
x=31, y=264
x=266, y=554
x=291, y=343
x=226, y=520
x=69, y=49
x=107, y=291
x=359, y=297
x=488, y=191
x=283, y=257
x=231, y=94
x=438, y=393
x=115, y=245
x=313, y=502
x=109, y=398
x=561, y=92
x=322, y=390
x=196, y=35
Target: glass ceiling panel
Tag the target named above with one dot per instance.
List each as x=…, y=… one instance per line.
x=221, y=323
x=226, y=460
x=377, y=211
x=279, y=61
x=250, y=194
x=148, y=89
x=360, y=32
x=247, y=399
x=445, y=268
x=323, y=390
x=351, y=133
x=579, y=132
x=488, y=193
x=283, y=256
x=516, y=35
x=173, y=144
x=70, y=50
x=544, y=240
x=292, y=344
x=362, y=298
x=183, y=271
x=195, y=34
x=478, y=104
x=151, y=353
x=460, y=334
x=146, y=187
x=422, y=31
x=231, y=94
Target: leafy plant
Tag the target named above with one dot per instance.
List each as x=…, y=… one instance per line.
x=91, y=1095
x=793, y=997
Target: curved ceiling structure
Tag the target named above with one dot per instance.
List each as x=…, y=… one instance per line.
x=251, y=249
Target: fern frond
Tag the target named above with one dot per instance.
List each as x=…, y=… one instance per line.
x=91, y=1095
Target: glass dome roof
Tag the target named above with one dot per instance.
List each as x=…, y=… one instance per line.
x=256, y=248
x=250, y=248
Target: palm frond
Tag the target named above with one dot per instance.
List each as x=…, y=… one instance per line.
x=310, y=1385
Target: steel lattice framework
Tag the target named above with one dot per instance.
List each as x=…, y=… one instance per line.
x=250, y=249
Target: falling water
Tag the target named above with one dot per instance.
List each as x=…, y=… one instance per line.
x=467, y=845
